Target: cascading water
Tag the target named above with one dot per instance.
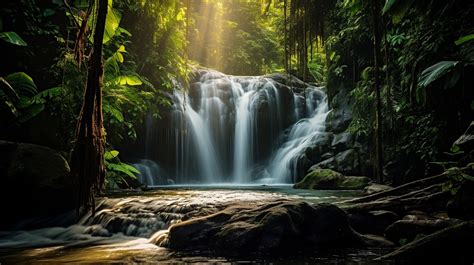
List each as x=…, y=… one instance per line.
x=232, y=129
x=303, y=134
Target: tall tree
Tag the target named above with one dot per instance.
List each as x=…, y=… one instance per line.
x=376, y=19
x=87, y=158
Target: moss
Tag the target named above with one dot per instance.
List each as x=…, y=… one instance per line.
x=327, y=179
x=355, y=183
x=319, y=177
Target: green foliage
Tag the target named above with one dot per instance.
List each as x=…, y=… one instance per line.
x=13, y=38
x=456, y=177
x=118, y=173
x=127, y=95
x=20, y=99
x=436, y=71
x=464, y=39
x=111, y=24
x=23, y=83
x=397, y=9
x=403, y=241
x=234, y=38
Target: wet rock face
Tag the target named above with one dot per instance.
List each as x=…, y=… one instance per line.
x=34, y=180
x=278, y=226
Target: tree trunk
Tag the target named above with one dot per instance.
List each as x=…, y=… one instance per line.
x=87, y=158
x=286, y=36
x=378, y=165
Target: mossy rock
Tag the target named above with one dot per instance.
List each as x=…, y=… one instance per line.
x=327, y=179
x=36, y=178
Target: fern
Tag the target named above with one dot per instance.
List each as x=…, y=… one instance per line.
x=435, y=72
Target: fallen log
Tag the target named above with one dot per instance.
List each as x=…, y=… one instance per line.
x=400, y=204
x=405, y=188
x=452, y=244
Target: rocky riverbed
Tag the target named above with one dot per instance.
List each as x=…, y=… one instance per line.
x=133, y=227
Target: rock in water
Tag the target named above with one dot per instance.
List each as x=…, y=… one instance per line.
x=375, y=188
x=283, y=226
x=34, y=181
x=327, y=179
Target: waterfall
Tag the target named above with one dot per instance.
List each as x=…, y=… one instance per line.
x=234, y=129
x=302, y=135
x=243, y=140
x=149, y=172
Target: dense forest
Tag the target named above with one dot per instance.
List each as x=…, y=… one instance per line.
x=106, y=103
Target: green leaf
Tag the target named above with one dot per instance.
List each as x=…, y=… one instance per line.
x=116, y=58
x=24, y=102
x=131, y=80
x=464, y=39
x=22, y=83
x=121, y=49
x=388, y=5
x=121, y=30
x=130, y=168
x=181, y=15
x=81, y=3
x=7, y=90
x=447, y=186
x=455, y=149
x=32, y=111
x=436, y=71
x=109, y=155
x=124, y=168
x=114, y=112
x=13, y=38
x=48, y=12
x=112, y=22
x=48, y=94
x=468, y=177
x=397, y=9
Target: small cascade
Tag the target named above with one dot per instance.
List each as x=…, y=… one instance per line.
x=243, y=136
x=226, y=129
x=303, y=134
x=149, y=172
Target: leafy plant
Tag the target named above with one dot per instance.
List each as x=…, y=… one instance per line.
x=464, y=39
x=118, y=173
x=13, y=38
x=436, y=71
x=397, y=9
x=456, y=178
x=20, y=98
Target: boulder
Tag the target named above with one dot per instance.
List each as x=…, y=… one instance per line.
x=338, y=120
x=288, y=80
x=327, y=179
x=342, y=141
x=373, y=222
x=347, y=162
x=375, y=188
x=34, y=181
x=282, y=226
